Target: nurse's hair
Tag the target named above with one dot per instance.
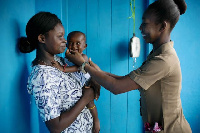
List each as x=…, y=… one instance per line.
x=167, y=10
x=40, y=23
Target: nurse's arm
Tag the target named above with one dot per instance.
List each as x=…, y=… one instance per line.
x=113, y=83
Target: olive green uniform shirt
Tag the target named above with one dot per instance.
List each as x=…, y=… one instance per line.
x=160, y=78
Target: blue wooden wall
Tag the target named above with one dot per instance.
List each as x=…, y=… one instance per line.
x=108, y=30
x=187, y=45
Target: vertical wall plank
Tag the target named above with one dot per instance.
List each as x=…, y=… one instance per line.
x=64, y=15
x=49, y=6
x=134, y=122
x=77, y=15
x=119, y=62
x=15, y=107
x=186, y=39
x=99, y=41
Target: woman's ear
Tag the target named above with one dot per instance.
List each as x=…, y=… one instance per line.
x=163, y=26
x=41, y=38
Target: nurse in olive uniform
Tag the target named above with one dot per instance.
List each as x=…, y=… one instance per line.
x=159, y=78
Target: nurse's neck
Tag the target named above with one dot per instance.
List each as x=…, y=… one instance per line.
x=160, y=42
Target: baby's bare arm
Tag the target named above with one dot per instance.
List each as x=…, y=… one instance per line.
x=70, y=69
x=85, y=57
x=65, y=68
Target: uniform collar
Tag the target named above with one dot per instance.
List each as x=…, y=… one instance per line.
x=164, y=47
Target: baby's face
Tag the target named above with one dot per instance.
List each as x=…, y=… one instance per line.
x=76, y=42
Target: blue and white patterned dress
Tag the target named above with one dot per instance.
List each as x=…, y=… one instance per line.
x=55, y=91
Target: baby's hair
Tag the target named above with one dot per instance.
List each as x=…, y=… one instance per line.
x=40, y=23
x=168, y=10
x=73, y=33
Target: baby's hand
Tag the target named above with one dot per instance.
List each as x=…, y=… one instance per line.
x=67, y=52
x=96, y=87
x=57, y=65
x=74, y=57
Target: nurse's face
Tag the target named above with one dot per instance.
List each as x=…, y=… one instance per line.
x=150, y=30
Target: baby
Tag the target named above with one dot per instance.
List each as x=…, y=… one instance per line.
x=76, y=41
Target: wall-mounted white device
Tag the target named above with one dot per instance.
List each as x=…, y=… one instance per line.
x=134, y=46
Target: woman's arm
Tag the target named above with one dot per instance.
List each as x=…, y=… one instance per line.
x=68, y=117
x=70, y=69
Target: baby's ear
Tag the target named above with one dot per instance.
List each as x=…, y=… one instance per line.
x=86, y=45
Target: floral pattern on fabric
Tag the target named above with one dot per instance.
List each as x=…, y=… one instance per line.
x=55, y=92
x=80, y=76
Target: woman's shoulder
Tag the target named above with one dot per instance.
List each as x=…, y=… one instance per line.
x=41, y=75
x=43, y=70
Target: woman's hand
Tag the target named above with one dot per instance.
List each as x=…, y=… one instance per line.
x=74, y=57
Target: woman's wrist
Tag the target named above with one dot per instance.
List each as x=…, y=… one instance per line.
x=85, y=99
x=90, y=104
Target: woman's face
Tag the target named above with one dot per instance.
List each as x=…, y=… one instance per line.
x=149, y=28
x=76, y=42
x=55, y=42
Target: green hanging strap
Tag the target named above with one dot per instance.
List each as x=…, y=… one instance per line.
x=132, y=5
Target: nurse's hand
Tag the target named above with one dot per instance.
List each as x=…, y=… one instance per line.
x=75, y=57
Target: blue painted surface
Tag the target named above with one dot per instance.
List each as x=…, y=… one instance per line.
x=98, y=13
x=15, y=104
x=134, y=120
x=186, y=39
x=119, y=59
x=108, y=30
x=77, y=16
